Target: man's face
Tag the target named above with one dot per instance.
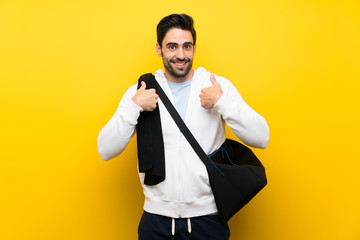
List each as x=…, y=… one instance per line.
x=177, y=52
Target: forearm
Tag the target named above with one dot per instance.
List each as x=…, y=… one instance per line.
x=116, y=134
x=250, y=127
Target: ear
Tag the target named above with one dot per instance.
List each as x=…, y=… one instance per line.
x=158, y=50
x=194, y=49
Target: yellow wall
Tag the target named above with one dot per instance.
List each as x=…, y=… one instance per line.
x=64, y=65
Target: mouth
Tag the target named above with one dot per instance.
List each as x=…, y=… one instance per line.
x=180, y=64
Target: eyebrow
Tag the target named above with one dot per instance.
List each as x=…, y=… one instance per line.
x=174, y=43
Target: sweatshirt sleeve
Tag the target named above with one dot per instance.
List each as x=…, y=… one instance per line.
x=246, y=124
x=116, y=134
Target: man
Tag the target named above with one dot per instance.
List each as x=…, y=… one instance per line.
x=182, y=206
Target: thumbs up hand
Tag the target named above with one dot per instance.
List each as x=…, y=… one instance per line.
x=210, y=95
x=145, y=98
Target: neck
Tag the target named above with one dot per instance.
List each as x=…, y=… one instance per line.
x=173, y=79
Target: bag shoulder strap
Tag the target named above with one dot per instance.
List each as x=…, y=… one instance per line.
x=185, y=130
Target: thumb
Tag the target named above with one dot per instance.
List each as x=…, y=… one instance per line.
x=213, y=80
x=143, y=86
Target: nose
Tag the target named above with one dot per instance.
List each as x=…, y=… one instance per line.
x=180, y=53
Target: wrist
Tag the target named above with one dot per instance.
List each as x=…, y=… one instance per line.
x=136, y=103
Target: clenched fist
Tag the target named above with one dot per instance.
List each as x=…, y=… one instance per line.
x=145, y=98
x=210, y=95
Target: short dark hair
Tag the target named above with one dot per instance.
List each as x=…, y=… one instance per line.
x=182, y=21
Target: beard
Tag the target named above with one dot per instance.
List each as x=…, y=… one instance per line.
x=178, y=73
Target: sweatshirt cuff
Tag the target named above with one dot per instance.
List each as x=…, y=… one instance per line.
x=130, y=111
x=224, y=106
x=136, y=106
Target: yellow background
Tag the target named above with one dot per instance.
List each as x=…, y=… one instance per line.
x=65, y=64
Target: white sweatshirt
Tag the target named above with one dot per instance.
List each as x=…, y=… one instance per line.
x=185, y=192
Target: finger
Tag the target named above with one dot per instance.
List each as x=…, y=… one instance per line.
x=152, y=91
x=213, y=80
x=143, y=86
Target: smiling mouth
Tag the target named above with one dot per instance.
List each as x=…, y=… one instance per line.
x=180, y=63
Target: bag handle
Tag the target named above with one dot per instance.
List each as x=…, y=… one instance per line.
x=185, y=130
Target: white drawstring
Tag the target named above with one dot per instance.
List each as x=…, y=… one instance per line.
x=173, y=228
x=189, y=226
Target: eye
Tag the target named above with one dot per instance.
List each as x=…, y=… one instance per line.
x=172, y=47
x=187, y=47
